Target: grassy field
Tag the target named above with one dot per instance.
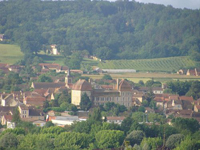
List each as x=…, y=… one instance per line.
x=10, y=54
x=135, y=77
x=158, y=64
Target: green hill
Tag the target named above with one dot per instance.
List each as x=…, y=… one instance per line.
x=108, y=30
x=160, y=64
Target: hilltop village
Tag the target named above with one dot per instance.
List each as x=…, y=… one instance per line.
x=63, y=96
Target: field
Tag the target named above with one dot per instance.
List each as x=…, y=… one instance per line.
x=10, y=54
x=158, y=64
x=135, y=77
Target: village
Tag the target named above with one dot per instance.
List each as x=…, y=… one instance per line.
x=34, y=104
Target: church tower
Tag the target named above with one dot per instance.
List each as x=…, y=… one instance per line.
x=68, y=78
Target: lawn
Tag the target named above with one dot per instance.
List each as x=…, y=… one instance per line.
x=10, y=54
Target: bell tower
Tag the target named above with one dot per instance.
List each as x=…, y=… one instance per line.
x=68, y=78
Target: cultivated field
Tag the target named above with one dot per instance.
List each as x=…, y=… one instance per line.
x=10, y=54
x=135, y=77
x=158, y=64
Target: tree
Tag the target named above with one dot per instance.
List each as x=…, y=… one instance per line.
x=126, y=124
x=85, y=102
x=44, y=78
x=8, y=141
x=49, y=124
x=109, y=138
x=173, y=140
x=194, y=90
x=135, y=137
x=67, y=140
x=96, y=115
x=186, y=124
x=45, y=104
x=153, y=143
x=106, y=77
x=16, y=116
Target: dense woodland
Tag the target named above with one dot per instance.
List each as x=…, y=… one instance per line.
x=109, y=30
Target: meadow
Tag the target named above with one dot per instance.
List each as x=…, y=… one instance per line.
x=10, y=54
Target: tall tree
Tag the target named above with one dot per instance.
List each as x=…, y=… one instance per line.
x=85, y=102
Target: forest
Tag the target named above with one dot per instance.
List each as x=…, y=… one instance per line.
x=108, y=30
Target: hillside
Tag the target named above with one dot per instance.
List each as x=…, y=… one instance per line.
x=108, y=30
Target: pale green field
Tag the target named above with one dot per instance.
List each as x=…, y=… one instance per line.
x=10, y=54
x=135, y=77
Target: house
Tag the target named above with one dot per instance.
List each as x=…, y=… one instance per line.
x=5, y=119
x=182, y=71
x=193, y=72
x=54, y=49
x=23, y=111
x=173, y=105
x=63, y=120
x=34, y=100
x=39, y=123
x=6, y=110
x=157, y=90
x=1, y=37
x=9, y=100
x=116, y=120
x=197, y=108
x=15, y=68
x=45, y=85
x=139, y=97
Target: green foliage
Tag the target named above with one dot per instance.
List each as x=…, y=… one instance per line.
x=141, y=109
x=44, y=78
x=85, y=102
x=194, y=90
x=109, y=138
x=104, y=31
x=16, y=116
x=173, y=140
x=106, y=77
x=178, y=87
x=153, y=143
x=49, y=124
x=52, y=130
x=186, y=144
x=8, y=141
x=67, y=140
x=190, y=125
x=135, y=137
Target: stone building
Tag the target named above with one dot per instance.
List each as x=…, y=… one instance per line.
x=121, y=94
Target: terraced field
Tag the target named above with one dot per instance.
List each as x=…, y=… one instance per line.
x=159, y=64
